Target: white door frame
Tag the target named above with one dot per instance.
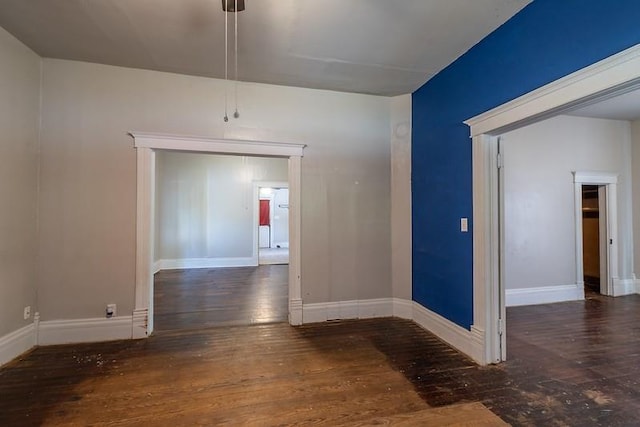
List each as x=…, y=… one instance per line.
x=610, y=77
x=610, y=181
x=146, y=145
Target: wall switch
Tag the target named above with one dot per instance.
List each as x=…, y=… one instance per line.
x=464, y=225
x=27, y=312
x=111, y=311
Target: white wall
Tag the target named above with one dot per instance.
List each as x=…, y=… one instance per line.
x=635, y=164
x=205, y=204
x=87, y=204
x=539, y=195
x=400, y=131
x=19, y=126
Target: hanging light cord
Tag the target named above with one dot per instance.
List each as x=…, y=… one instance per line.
x=226, y=66
x=235, y=14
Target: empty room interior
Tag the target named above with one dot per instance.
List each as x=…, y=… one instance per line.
x=299, y=212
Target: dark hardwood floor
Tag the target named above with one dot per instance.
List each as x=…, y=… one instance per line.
x=197, y=298
x=334, y=374
x=570, y=364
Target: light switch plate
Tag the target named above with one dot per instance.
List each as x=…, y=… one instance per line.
x=464, y=225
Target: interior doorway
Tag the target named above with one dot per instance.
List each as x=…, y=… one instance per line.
x=146, y=145
x=601, y=81
x=273, y=222
x=594, y=239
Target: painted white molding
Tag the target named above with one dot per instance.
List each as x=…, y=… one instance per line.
x=215, y=145
x=340, y=310
x=595, y=177
x=157, y=266
x=620, y=73
x=295, y=312
x=544, y=295
x=139, y=323
x=609, y=180
x=295, y=213
x=175, y=264
x=403, y=308
x=145, y=207
x=613, y=76
x=468, y=342
x=133, y=327
x=486, y=248
x=146, y=144
x=624, y=286
x=84, y=330
x=17, y=342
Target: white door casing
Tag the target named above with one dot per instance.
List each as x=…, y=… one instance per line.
x=610, y=77
x=146, y=144
x=610, y=181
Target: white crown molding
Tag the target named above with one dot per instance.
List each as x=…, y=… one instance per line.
x=610, y=77
x=17, y=342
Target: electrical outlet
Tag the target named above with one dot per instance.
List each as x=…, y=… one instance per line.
x=111, y=311
x=27, y=312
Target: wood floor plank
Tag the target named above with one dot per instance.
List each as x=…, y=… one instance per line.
x=197, y=298
x=570, y=364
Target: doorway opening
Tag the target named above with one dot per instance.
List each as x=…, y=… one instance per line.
x=205, y=244
x=273, y=222
x=594, y=239
x=609, y=78
x=147, y=145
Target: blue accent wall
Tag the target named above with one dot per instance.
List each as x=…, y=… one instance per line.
x=547, y=40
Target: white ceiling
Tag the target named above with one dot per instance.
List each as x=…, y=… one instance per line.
x=384, y=47
x=622, y=107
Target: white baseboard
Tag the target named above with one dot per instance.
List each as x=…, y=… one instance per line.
x=625, y=286
x=543, y=295
x=354, y=309
x=157, y=266
x=173, y=264
x=17, y=342
x=403, y=308
x=468, y=342
x=84, y=330
x=140, y=323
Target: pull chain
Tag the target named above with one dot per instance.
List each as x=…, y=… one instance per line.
x=226, y=66
x=235, y=14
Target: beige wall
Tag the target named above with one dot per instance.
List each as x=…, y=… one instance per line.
x=87, y=204
x=401, y=196
x=539, y=195
x=19, y=122
x=205, y=203
x=635, y=166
